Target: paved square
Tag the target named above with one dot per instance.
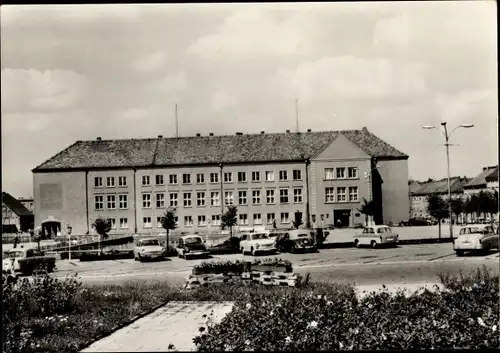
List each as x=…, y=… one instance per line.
x=176, y=323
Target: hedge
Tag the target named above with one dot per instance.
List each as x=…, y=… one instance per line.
x=48, y=314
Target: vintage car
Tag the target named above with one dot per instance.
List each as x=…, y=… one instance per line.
x=257, y=243
x=26, y=261
x=376, y=236
x=228, y=246
x=476, y=238
x=297, y=240
x=191, y=246
x=148, y=249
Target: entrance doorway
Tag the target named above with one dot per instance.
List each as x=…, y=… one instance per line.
x=341, y=218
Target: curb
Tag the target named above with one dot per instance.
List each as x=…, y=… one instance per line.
x=400, y=242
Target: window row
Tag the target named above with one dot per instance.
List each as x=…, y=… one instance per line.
x=111, y=181
x=213, y=198
x=341, y=173
x=341, y=194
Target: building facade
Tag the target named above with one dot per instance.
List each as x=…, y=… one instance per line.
x=486, y=181
x=323, y=175
x=15, y=216
x=29, y=203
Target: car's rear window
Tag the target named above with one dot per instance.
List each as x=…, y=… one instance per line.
x=260, y=236
x=193, y=240
x=384, y=230
x=152, y=242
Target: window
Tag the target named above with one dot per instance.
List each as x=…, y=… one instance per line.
x=297, y=195
x=283, y=195
x=110, y=182
x=341, y=173
x=200, y=199
x=283, y=175
x=255, y=176
x=215, y=198
x=328, y=173
x=285, y=217
x=329, y=195
x=122, y=181
x=229, y=198
x=297, y=174
x=123, y=202
x=353, y=193
x=216, y=219
x=269, y=176
x=228, y=177
x=146, y=222
x=242, y=177
x=202, y=220
x=270, y=218
x=112, y=222
x=159, y=179
x=352, y=172
x=99, y=202
x=98, y=182
x=146, y=200
x=256, y=197
x=172, y=179
x=174, y=199
x=146, y=180
x=123, y=223
x=188, y=221
x=214, y=177
x=160, y=200
x=341, y=196
x=186, y=178
x=200, y=178
x=111, y=202
x=187, y=199
x=243, y=219
x=270, y=196
x=242, y=197
x=158, y=222
x=257, y=218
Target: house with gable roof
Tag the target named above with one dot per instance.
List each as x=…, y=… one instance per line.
x=15, y=216
x=269, y=176
x=486, y=181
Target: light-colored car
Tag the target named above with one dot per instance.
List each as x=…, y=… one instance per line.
x=257, y=243
x=477, y=237
x=148, y=249
x=191, y=246
x=376, y=236
x=26, y=261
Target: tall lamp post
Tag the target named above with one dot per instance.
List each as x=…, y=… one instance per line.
x=368, y=177
x=447, y=135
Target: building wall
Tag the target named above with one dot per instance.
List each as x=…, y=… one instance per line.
x=340, y=154
x=395, y=202
x=9, y=217
x=492, y=185
x=61, y=195
x=28, y=203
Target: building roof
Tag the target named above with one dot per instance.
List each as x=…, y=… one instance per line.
x=15, y=206
x=438, y=187
x=480, y=180
x=493, y=176
x=210, y=150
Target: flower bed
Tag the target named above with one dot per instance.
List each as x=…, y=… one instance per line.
x=112, y=255
x=238, y=267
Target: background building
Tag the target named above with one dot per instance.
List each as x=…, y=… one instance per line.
x=29, y=203
x=487, y=180
x=325, y=175
x=15, y=217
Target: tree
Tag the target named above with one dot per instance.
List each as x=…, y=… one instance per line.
x=437, y=208
x=168, y=223
x=229, y=220
x=471, y=205
x=102, y=226
x=482, y=203
x=298, y=220
x=457, y=207
x=367, y=208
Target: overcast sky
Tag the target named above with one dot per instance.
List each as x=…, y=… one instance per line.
x=75, y=72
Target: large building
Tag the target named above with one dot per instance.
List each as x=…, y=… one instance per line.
x=268, y=176
x=15, y=216
x=28, y=203
x=486, y=181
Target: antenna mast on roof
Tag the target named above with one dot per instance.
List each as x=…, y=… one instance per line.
x=297, y=113
x=176, y=123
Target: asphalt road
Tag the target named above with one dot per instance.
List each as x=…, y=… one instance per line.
x=404, y=264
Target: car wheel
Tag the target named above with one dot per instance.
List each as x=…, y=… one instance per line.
x=373, y=244
x=459, y=252
x=243, y=250
x=356, y=243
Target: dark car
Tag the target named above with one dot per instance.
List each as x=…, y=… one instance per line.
x=296, y=241
x=228, y=246
x=191, y=246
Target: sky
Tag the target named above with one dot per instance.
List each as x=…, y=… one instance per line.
x=75, y=72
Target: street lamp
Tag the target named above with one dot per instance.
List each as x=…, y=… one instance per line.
x=447, y=144
x=368, y=177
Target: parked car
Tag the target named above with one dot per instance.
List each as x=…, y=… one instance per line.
x=26, y=261
x=228, y=246
x=297, y=240
x=257, y=243
x=191, y=246
x=376, y=236
x=148, y=249
x=480, y=237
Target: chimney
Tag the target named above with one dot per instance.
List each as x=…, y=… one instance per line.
x=198, y=135
x=365, y=129
x=287, y=131
x=160, y=136
x=239, y=133
x=211, y=134
x=98, y=138
x=262, y=132
x=308, y=130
